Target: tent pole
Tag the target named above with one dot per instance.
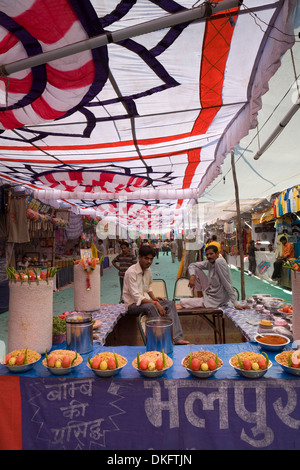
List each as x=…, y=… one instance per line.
x=278, y=129
x=239, y=226
x=204, y=11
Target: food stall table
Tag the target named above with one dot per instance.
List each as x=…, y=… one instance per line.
x=216, y=322
x=109, y=315
x=247, y=321
x=174, y=412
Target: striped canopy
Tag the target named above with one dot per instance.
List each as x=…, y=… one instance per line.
x=137, y=128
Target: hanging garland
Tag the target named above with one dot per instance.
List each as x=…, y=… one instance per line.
x=88, y=267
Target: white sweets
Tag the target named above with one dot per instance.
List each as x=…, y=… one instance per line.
x=86, y=300
x=30, y=317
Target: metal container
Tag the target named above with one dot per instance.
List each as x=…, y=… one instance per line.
x=79, y=332
x=159, y=335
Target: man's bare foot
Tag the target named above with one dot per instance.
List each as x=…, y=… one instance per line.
x=181, y=342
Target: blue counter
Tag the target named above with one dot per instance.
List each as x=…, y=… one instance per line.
x=225, y=352
x=175, y=412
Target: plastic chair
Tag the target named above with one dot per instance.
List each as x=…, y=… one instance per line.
x=182, y=289
x=159, y=288
x=2, y=350
x=142, y=326
x=236, y=293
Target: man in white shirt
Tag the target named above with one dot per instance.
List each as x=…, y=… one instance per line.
x=139, y=298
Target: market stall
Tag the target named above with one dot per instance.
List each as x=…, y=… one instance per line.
x=174, y=412
x=59, y=144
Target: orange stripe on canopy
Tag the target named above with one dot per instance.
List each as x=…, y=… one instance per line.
x=216, y=45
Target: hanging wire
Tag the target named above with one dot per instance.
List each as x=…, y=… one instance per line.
x=257, y=19
x=256, y=135
x=295, y=73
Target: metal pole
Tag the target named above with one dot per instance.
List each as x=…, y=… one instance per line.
x=202, y=12
x=239, y=226
x=278, y=129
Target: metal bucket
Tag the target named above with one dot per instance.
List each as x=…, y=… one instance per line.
x=159, y=335
x=79, y=332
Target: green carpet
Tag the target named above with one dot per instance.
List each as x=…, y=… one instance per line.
x=162, y=268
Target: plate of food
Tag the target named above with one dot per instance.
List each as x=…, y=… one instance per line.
x=272, y=341
x=106, y=364
x=274, y=304
x=152, y=363
x=265, y=325
x=251, y=364
x=286, y=310
x=289, y=361
x=202, y=364
x=62, y=361
x=21, y=360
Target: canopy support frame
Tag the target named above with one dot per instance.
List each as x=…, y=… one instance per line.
x=202, y=12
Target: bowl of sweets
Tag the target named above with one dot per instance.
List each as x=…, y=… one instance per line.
x=21, y=360
x=202, y=364
x=106, y=364
x=152, y=363
x=289, y=361
x=251, y=365
x=62, y=361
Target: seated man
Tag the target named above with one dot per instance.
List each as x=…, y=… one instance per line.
x=287, y=252
x=217, y=288
x=139, y=298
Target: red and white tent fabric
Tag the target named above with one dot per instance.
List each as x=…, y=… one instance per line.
x=148, y=120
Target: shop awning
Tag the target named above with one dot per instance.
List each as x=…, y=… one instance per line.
x=140, y=127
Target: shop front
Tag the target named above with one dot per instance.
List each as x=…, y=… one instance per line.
x=265, y=227
x=286, y=207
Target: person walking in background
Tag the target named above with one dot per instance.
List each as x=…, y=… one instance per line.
x=208, y=241
x=165, y=247
x=134, y=248
x=213, y=241
x=252, y=258
x=173, y=249
x=123, y=261
x=101, y=250
x=157, y=248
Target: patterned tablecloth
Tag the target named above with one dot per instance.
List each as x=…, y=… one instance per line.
x=109, y=314
x=248, y=322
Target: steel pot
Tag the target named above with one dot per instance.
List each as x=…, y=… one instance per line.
x=159, y=335
x=79, y=328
